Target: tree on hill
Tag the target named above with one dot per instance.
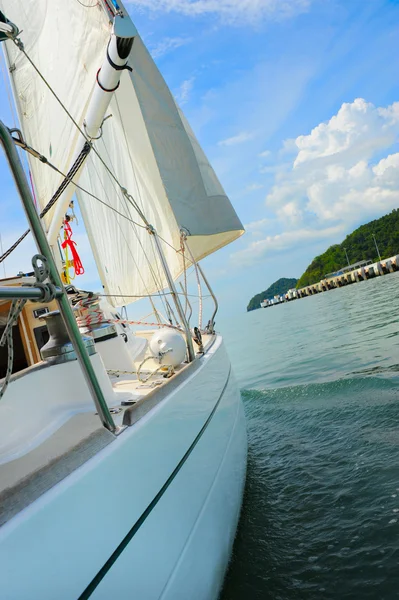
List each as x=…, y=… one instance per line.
x=279, y=287
x=359, y=245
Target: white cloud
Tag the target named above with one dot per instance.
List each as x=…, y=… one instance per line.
x=387, y=171
x=282, y=242
x=244, y=136
x=265, y=154
x=231, y=11
x=257, y=228
x=336, y=179
x=253, y=187
x=257, y=225
x=358, y=130
x=276, y=169
x=332, y=177
x=167, y=45
x=183, y=95
x=289, y=147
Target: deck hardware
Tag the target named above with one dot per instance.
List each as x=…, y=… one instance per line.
x=62, y=298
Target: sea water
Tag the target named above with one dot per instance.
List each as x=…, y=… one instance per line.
x=319, y=379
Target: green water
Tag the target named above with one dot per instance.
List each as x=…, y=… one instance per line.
x=320, y=383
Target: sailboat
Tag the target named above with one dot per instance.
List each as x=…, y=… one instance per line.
x=122, y=450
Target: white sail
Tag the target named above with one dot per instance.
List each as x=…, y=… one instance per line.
x=65, y=41
x=147, y=144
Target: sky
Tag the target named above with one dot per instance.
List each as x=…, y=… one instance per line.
x=296, y=104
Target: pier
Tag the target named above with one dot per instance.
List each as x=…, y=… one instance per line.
x=360, y=271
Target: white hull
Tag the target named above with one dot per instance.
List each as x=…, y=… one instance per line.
x=153, y=515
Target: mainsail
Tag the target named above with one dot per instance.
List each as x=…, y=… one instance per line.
x=64, y=41
x=147, y=145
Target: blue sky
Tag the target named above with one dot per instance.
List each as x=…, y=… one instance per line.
x=294, y=103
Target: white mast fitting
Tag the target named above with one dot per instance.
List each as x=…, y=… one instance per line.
x=107, y=82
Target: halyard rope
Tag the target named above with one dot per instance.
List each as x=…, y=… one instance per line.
x=39, y=263
x=90, y=314
x=15, y=310
x=55, y=197
x=64, y=184
x=143, y=379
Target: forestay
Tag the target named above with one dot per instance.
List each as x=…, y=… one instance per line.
x=147, y=144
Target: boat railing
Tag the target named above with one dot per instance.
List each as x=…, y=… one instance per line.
x=26, y=293
x=37, y=293
x=59, y=293
x=199, y=273
x=216, y=305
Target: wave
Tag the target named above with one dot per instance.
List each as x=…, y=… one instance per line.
x=362, y=381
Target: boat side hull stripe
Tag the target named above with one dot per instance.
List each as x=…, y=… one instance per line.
x=129, y=536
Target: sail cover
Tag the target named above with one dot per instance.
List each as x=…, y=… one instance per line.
x=147, y=145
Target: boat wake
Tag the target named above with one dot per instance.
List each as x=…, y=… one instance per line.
x=322, y=493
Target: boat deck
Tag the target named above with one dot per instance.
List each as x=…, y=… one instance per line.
x=133, y=391
x=24, y=479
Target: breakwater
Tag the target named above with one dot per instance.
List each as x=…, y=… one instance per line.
x=338, y=279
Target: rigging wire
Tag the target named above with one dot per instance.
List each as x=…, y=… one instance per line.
x=158, y=284
x=129, y=153
x=164, y=302
x=1, y=248
x=185, y=273
x=126, y=242
x=20, y=46
x=198, y=284
x=134, y=172
x=149, y=295
x=111, y=174
x=44, y=160
x=125, y=193
x=6, y=85
x=119, y=213
x=7, y=337
x=13, y=116
x=161, y=290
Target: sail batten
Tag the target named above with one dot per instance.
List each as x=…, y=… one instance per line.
x=147, y=144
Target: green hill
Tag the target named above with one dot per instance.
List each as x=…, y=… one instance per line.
x=278, y=287
x=359, y=245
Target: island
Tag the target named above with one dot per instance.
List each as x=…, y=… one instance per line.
x=370, y=243
x=279, y=287
x=364, y=243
